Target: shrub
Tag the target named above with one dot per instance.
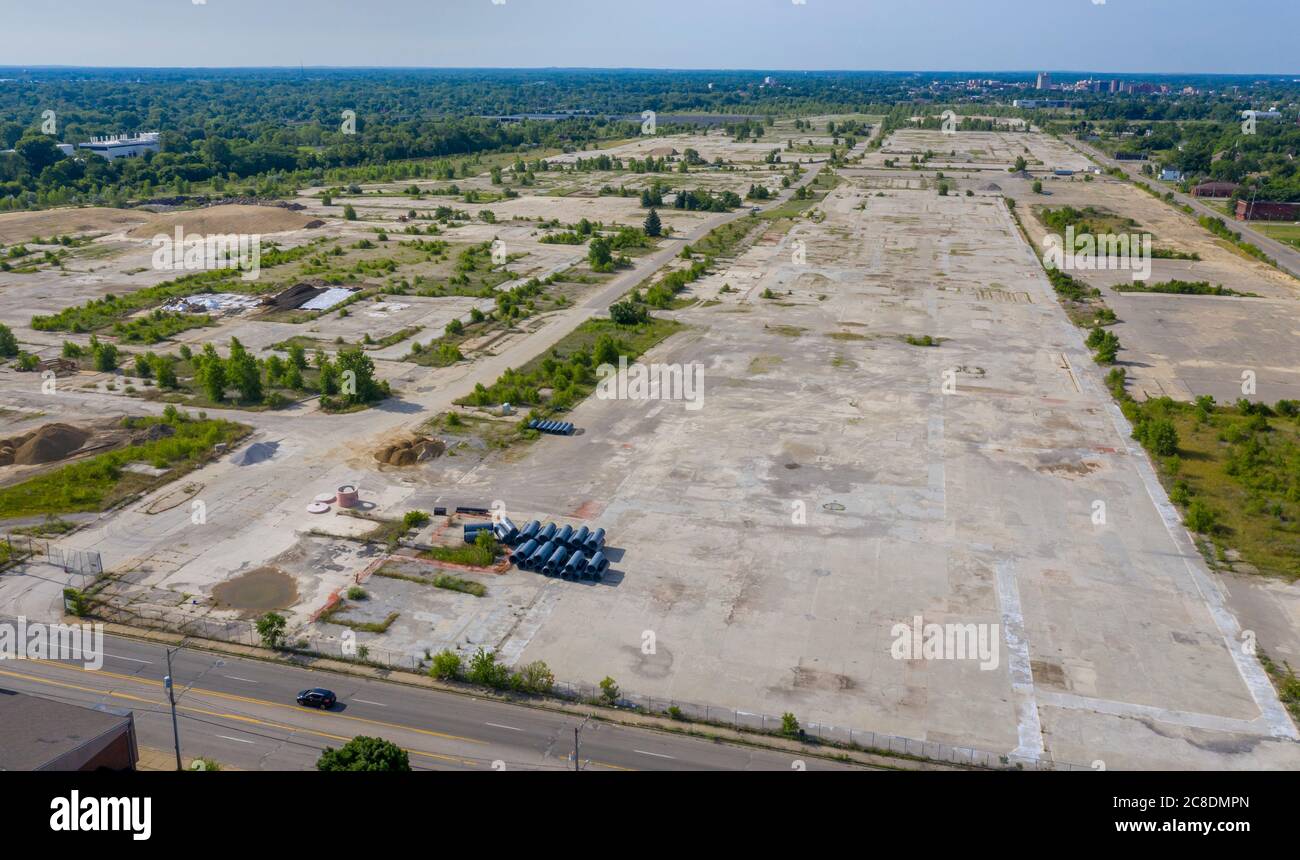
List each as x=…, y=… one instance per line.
x=415, y=520
x=535, y=677
x=1159, y=436
x=790, y=725
x=484, y=669
x=446, y=666
x=1201, y=518
x=609, y=691
x=271, y=628
x=8, y=343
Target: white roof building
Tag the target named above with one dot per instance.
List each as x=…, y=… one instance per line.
x=124, y=146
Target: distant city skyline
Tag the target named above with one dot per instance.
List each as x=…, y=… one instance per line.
x=1114, y=37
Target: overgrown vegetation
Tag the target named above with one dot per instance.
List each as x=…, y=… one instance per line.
x=99, y=482
x=569, y=369
x=1233, y=470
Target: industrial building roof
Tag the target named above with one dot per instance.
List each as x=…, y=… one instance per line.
x=35, y=732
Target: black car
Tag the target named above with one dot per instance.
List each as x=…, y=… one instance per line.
x=317, y=698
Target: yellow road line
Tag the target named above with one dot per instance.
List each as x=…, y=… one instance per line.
x=297, y=709
x=236, y=717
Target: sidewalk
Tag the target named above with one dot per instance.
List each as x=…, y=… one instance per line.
x=613, y=715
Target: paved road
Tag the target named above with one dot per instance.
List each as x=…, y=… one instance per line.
x=242, y=714
x=1287, y=256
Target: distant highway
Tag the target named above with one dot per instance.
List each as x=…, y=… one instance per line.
x=242, y=713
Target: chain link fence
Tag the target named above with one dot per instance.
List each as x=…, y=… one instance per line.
x=241, y=632
x=866, y=740
x=333, y=647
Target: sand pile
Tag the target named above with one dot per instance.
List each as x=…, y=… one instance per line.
x=221, y=220
x=48, y=444
x=411, y=451
x=256, y=453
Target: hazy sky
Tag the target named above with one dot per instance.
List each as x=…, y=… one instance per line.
x=1241, y=36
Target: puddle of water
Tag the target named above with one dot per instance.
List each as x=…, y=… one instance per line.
x=257, y=591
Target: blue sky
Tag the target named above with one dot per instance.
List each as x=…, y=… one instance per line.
x=1152, y=36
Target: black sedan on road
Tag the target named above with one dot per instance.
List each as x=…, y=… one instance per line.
x=317, y=698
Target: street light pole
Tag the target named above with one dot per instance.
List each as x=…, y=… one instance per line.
x=167, y=682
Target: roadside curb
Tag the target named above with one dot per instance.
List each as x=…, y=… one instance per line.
x=610, y=715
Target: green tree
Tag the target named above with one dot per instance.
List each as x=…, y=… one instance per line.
x=211, y=374
x=606, y=351
x=105, y=357
x=243, y=373
x=599, y=254
x=357, y=372
x=364, y=753
x=293, y=378
x=790, y=725
x=349, y=213
x=271, y=628
x=609, y=691
x=38, y=150
x=8, y=343
x=628, y=313
x=165, y=370
x=653, y=226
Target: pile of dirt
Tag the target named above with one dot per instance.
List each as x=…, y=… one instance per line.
x=221, y=220
x=48, y=444
x=411, y=451
x=23, y=226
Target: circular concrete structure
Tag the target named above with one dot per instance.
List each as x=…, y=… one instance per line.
x=347, y=496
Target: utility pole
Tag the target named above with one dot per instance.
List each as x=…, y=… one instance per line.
x=167, y=682
x=577, y=741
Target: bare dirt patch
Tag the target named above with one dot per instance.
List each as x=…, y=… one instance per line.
x=23, y=226
x=225, y=219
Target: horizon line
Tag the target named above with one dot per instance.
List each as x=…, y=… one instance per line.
x=698, y=70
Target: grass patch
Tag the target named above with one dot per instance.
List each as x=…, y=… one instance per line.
x=331, y=617
x=455, y=583
x=1181, y=288
x=1234, y=471
x=98, y=483
x=442, y=580
x=471, y=555
x=52, y=527
x=569, y=368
